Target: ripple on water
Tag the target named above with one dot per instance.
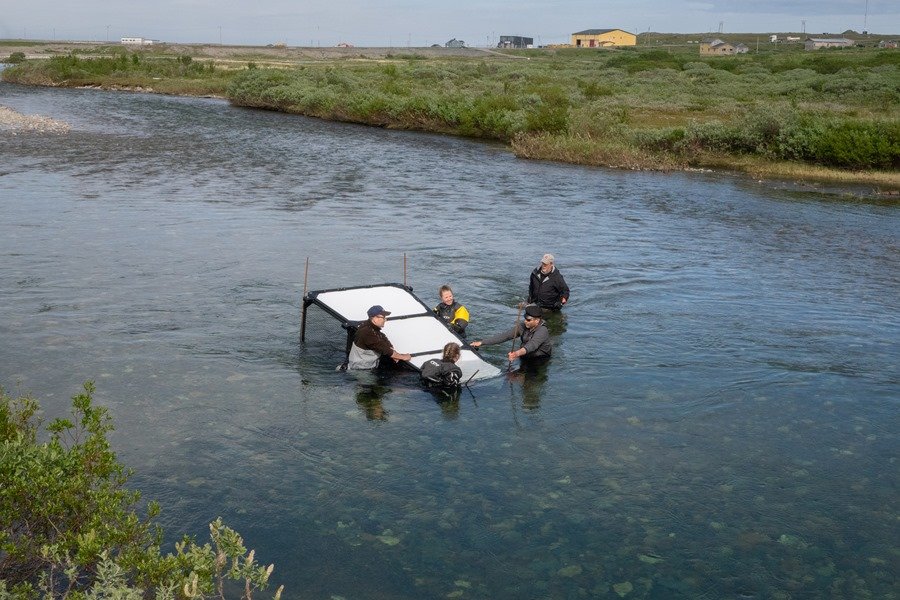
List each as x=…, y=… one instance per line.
x=716, y=421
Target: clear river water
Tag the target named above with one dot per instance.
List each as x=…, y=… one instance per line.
x=719, y=418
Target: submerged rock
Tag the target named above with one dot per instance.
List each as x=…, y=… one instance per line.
x=623, y=589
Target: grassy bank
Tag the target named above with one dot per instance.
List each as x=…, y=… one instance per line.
x=830, y=114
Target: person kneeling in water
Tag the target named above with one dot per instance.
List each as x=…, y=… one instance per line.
x=443, y=372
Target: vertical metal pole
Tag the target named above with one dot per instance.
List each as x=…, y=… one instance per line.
x=305, y=305
x=404, y=269
x=305, y=276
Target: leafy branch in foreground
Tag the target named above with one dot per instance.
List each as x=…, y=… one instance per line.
x=69, y=527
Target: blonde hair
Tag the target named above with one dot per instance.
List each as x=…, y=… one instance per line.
x=452, y=351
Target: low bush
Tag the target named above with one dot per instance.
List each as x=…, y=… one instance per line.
x=69, y=528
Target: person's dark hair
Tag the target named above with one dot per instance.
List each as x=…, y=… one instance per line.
x=452, y=351
x=444, y=288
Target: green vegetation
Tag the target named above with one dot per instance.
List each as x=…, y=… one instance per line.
x=828, y=114
x=16, y=58
x=69, y=527
x=651, y=109
x=179, y=74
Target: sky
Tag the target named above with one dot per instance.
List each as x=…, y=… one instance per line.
x=402, y=23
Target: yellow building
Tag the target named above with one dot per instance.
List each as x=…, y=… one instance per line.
x=602, y=38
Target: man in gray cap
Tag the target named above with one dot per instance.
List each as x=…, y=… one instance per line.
x=370, y=343
x=547, y=288
x=536, y=342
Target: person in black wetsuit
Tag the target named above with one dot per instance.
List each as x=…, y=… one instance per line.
x=444, y=372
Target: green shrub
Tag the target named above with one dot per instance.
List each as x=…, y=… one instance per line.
x=69, y=526
x=16, y=58
x=859, y=146
x=550, y=114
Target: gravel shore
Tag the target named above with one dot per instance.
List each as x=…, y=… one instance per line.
x=15, y=122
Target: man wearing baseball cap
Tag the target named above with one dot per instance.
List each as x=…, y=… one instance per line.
x=370, y=343
x=535, y=340
x=547, y=288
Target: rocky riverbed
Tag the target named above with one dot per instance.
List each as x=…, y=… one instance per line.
x=15, y=122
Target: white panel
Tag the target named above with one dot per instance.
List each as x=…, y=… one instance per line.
x=353, y=304
x=424, y=333
x=418, y=334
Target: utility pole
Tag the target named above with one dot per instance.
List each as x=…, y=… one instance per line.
x=220, y=35
x=107, y=34
x=866, y=19
x=803, y=27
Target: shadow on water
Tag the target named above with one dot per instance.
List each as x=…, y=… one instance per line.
x=528, y=380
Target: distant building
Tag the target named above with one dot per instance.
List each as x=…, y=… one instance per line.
x=889, y=44
x=136, y=41
x=716, y=47
x=455, y=43
x=345, y=45
x=602, y=38
x=791, y=38
x=515, y=41
x=816, y=43
x=773, y=38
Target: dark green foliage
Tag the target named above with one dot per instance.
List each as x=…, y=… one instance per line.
x=16, y=58
x=72, y=67
x=591, y=90
x=551, y=113
x=488, y=116
x=845, y=144
x=69, y=527
x=859, y=146
x=645, y=61
x=65, y=498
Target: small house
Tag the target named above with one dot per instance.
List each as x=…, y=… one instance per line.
x=455, y=43
x=816, y=43
x=603, y=38
x=136, y=41
x=717, y=47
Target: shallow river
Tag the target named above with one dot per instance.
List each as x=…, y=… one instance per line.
x=719, y=419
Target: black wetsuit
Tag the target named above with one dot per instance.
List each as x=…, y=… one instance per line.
x=443, y=373
x=455, y=317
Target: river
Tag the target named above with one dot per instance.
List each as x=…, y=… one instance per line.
x=719, y=419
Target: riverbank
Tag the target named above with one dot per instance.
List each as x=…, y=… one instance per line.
x=827, y=117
